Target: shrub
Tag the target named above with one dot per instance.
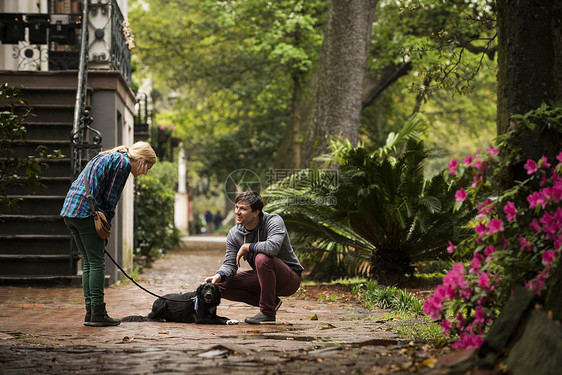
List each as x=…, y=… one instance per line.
x=155, y=229
x=517, y=240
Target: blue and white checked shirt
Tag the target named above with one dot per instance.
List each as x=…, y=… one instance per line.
x=107, y=175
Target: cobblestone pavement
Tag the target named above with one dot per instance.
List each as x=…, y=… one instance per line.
x=41, y=331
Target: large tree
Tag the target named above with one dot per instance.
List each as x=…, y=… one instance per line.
x=529, y=67
x=341, y=71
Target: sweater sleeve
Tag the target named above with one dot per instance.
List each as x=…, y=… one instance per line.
x=229, y=267
x=276, y=233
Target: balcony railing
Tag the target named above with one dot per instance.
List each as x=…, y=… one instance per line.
x=52, y=41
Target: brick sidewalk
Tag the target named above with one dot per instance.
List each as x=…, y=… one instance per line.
x=42, y=330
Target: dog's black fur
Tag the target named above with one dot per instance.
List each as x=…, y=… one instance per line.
x=200, y=307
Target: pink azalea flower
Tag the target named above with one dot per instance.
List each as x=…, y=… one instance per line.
x=559, y=157
x=543, y=162
x=548, y=257
x=510, y=211
x=453, y=165
x=484, y=280
x=484, y=209
x=476, y=180
x=476, y=261
x=490, y=249
x=432, y=307
x=536, y=199
x=450, y=248
x=492, y=151
x=530, y=166
x=480, y=229
x=477, y=163
x=468, y=341
x=460, y=195
x=535, y=226
x=446, y=325
x=525, y=245
x=495, y=225
x=468, y=160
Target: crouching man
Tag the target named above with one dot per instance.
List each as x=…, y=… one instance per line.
x=262, y=240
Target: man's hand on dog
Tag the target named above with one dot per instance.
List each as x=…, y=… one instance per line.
x=213, y=279
x=242, y=253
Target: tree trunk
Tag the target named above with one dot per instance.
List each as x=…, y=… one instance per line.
x=530, y=66
x=341, y=70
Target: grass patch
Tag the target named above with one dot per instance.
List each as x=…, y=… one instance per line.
x=387, y=297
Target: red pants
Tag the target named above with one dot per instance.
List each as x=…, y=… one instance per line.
x=259, y=287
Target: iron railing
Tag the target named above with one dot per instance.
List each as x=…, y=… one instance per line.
x=81, y=148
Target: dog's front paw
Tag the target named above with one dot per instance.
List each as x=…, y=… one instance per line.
x=231, y=322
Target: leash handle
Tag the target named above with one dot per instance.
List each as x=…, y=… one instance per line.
x=134, y=282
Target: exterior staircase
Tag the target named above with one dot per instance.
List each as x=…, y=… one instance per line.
x=35, y=244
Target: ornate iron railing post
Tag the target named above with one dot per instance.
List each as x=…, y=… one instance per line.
x=79, y=144
x=80, y=147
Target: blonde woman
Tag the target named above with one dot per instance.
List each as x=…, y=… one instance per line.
x=107, y=173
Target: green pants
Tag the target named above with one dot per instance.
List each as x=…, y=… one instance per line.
x=91, y=247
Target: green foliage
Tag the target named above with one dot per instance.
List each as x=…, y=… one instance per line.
x=12, y=131
x=166, y=172
x=388, y=297
x=439, y=37
x=381, y=208
x=232, y=66
x=155, y=229
x=423, y=329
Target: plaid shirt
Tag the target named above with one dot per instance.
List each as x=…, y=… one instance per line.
x=107, y=175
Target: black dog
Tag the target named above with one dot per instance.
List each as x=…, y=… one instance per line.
x=198, y=307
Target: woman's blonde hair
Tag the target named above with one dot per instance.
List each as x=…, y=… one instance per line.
x=139, y=150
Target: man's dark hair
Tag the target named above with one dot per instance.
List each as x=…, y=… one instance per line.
x=252, y=198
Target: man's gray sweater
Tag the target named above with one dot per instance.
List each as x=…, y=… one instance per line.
x=270, y=237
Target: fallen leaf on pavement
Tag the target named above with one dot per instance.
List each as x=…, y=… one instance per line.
x=430, y=362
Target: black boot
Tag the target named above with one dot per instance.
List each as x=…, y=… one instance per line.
x=100, y=317
x=88, y=316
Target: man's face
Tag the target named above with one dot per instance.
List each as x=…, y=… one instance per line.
x=245, y=215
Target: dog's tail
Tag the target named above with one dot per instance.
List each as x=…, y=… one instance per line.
x=135, y=318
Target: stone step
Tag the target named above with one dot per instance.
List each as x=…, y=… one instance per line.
x=46, y=112
x=53, y=168
x=49, y=186
x=35, y=244
x=25, y=148
x=32, y=224
x=46, y=281
x=36, y=205
x=47, y=95
x=47, y=130
x=38, y=265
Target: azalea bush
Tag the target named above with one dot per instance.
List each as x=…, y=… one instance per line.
x=517, y=240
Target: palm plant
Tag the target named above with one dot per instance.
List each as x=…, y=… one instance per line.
x=405, y=217
x=381, y=209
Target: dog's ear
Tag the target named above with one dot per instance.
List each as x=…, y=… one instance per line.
x=200, y=289
x=218, y=291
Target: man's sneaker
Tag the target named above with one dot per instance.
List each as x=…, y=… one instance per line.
x=260, y=318
x=278, y=303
